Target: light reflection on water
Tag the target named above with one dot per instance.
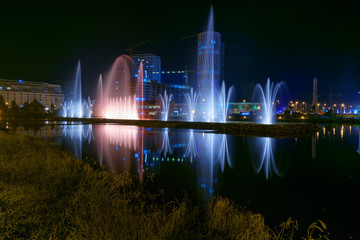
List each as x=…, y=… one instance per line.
x=264, y=158
x=245, y=169
x=139, y=150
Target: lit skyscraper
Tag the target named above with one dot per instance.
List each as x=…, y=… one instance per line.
x=151, y=64
x=208, y=62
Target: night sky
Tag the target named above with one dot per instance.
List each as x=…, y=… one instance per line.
x=291, y=41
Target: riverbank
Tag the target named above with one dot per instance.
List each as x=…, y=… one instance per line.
x=235, y=128
x=45, y=192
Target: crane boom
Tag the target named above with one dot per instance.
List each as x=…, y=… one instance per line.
x=132, y=47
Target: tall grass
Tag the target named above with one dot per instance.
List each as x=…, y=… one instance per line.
x=46, y=193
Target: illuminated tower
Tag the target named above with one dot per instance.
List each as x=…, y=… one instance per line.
x=314, y=100
x=208, y=66
x=208, y=60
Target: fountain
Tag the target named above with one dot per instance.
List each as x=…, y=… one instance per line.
x=100, y=98
x=209, y=77
x=116, y=99
x=76, y=106
x=166, y=99
x=268, y=98
x=191, y=100
x=224, y=101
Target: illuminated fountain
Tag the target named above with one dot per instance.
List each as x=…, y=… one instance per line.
x=116, y=99
x=224, y=101
x=214, y=101
x=191, y=100
x=166, y=99
x=77, y=107
x=99, y=106
x=268, y=98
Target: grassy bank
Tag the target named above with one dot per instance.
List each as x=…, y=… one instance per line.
x=45, y=193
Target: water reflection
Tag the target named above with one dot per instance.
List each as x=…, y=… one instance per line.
x=213, y=153
x=78, y=134
x=313, y=146
x=263, y=156
x=191, y=151
x=166, y=147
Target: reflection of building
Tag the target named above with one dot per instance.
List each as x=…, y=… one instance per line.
x=24, y=91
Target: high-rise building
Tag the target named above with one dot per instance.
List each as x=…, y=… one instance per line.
x=151, y=65
x=208, y=62
x=314, y=100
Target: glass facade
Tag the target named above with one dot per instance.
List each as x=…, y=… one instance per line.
x=151, y=64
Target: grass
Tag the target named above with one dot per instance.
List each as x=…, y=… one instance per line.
x=46, y=193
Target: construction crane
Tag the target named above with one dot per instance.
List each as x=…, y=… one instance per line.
x=132, y=47
x=330, y=95
x=190, y=36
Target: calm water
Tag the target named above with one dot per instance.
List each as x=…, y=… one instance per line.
x=308, y=178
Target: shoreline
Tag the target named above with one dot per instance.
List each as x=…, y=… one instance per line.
x=47, y=192
x=277, y=130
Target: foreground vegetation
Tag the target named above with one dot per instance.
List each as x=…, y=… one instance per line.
x=45, y=193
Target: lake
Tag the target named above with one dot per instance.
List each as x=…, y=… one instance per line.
x=305, y=178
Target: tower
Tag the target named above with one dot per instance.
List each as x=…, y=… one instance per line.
x=208, y=69
x=314, y=100
x=208, y=61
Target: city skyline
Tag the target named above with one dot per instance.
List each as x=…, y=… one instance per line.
x=286, y=43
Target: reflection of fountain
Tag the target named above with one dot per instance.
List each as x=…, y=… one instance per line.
x=166, y=104
x=191, y=151
x=118, y=147
x=224, y=100
x=266, y=158
x=191, y=100
x=76, y=106
x=213, y=152
x=116, y=99
x=268, y=98
x=224, y=152
x=78, y=133
x=166, y=147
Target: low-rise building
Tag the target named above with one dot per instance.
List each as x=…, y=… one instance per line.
x=25, y=91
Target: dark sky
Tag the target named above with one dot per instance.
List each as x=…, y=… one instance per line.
x=291, y=41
